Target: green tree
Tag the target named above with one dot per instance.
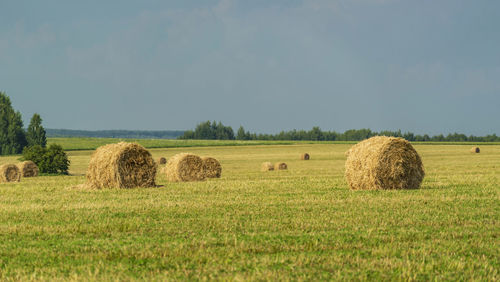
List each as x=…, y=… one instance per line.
x=49, y=160
x=36, y=133
x=12, y=135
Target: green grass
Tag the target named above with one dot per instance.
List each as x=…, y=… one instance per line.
x=299, y=224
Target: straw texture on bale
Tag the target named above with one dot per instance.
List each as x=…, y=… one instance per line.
x=305, y=157
x=185, y=167
x=475, y=150
x=280, y=166
x=266, y=166
x=121, y=165
x=28, y=169
x=384, y=163
x=9, y=173
x=212, y=167
x=162, y=160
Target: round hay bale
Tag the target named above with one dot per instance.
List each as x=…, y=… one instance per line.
x=266, y=166
x=185, y=167
x=162, y=160
x=28, y=169
x=384, y=163
x=305, y=157
x=10, y=173
x=212, y=167
x=121, y=165
x=475, y=150
x=280, y=166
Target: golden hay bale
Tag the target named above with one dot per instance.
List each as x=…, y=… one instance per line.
x=280, y=166
x=384, y=163
x=267, y=166
x=212, y=167
x=475, y=150
x=305, y=157
x=9, y=173
x=121, y=165
x=162, y=160
x=185, y=167
x=28, y=169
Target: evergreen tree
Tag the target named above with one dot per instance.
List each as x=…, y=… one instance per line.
x=12, y=135
x=36, y=132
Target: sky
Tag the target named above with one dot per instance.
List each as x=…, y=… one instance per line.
x=428, y=66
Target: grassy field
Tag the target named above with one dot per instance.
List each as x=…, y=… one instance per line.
x=299, y=224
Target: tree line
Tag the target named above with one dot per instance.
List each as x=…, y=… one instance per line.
x=217, y=131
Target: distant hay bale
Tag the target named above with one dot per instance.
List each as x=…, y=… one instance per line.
x=305, y=157
x=121, y=165
x=384, y=163
x=212, y=167
x=28, y=169
x=185, y=167
x=162, y=160
x=10, y=173
x=475, y=150
x=280, y=166
x=267, y=166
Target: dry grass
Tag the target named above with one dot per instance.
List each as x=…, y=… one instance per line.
x=28, y=169
x=9, y=173
x=185, y=167
x=212, y=167
x=121, y=165
x=383, y=163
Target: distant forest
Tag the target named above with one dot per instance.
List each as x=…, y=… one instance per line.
x=136, y=134
x=217, y=131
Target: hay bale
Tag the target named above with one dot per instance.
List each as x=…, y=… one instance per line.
x=384, y=163
x=185, y=167
x=212, y=167
x=280, y=166
x=10, y=173
x=28, y=169
x=305, y=157
x=475, y=150
x=162, y=160
x=121, y=165
x=267, y=166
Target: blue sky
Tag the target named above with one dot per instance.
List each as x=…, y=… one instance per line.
x=424, y=66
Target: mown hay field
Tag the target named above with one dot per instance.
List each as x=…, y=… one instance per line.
x=299, y=223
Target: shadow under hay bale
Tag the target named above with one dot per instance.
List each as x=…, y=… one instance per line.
x=121, y=165
x=475, y=150
x=10, y=173
x=28, y=169
x=266, y=166
x=383, y=163
x=212, y=167
x=280, y=166
x=305, y=157
x=185, y=167
x=162, y=160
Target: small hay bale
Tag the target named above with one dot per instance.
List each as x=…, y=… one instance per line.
x=10, y=173
x=305, y=157
x=280, y=166
x=384, y=163
x=475, y=150
x=266, y=166
x=121, y=165
x=185, y=167
x=162, y=160
x=212, y=167
x=28, y=169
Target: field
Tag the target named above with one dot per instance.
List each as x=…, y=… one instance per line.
x=299, y=224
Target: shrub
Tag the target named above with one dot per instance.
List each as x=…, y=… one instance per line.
x=49, y=160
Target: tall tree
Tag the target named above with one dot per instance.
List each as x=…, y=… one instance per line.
x=12, y=135
x=36, y=132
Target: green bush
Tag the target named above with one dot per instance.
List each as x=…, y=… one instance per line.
x=49, y=160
